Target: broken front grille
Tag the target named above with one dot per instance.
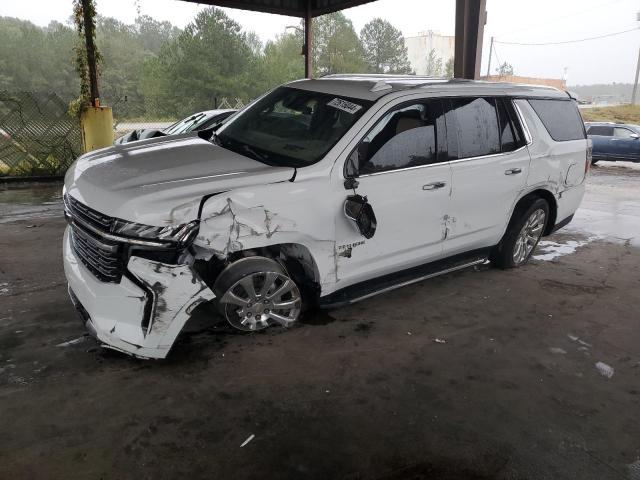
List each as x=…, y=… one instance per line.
x=102, y=258
x=88, y=215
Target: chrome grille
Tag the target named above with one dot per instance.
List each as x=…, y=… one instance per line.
x=88, y=215
x=102, y=258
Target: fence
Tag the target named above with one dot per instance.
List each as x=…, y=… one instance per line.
x=39, y=138
x=37, y=135
x=129, y=115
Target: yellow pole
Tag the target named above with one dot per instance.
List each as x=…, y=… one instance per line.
x=97, y=128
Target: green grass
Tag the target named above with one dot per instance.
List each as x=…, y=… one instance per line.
x=620, y=114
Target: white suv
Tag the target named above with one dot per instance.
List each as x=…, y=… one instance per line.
x=322, y=192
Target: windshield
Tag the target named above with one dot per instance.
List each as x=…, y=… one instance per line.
x=291, y=127
x=186, y=124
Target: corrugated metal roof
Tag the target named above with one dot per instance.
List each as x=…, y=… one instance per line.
x=292, y=8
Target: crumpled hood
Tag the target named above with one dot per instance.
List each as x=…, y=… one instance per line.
x=161, y=181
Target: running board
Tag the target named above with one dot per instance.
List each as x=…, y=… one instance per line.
x=386, y=283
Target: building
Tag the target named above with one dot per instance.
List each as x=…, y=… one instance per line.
x=419, y=48
x=558, y=83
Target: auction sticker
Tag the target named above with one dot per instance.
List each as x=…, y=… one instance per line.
x=345, y=106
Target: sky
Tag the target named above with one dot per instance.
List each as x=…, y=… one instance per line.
x=604, y=60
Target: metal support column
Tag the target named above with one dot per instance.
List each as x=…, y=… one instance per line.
x=471, y=16
x=307, y=48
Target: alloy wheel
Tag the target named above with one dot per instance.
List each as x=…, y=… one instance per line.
x=529, y=235
x=262, y=299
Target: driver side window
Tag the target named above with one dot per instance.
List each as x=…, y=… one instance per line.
x=619, y=132
x=406, y=136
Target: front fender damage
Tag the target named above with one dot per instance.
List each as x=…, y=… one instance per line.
x=232, y=224
x=173, y=293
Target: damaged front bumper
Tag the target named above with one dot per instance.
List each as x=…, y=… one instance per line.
x=144, y=313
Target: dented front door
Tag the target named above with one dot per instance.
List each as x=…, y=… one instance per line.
x=410, y=208
x=401, y=167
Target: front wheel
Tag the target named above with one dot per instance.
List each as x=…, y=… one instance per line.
x=256, y=292
x=522, y=235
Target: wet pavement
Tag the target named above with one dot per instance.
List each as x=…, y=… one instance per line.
x=30, y=201
x=611, y=208
x=531, y=373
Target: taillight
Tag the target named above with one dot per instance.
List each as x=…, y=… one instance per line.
x=589, y=156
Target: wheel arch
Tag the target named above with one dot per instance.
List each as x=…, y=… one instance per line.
x=529, y=197
x=296, y=259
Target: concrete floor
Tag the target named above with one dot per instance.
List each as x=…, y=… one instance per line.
x=482, y=374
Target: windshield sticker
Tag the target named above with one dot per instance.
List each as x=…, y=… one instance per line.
x=344, y=105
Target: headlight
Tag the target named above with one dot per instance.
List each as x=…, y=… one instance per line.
x=183, y=234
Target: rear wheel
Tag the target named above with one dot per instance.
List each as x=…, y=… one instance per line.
x=523, y=234
x=256, y=292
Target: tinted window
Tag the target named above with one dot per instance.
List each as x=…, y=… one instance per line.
x=561, y=119
x=508, y=138
x=621, y=132
x=600, y=130
x=474, y=123
x=404, y=137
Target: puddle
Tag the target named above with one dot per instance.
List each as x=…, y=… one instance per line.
x=30, y=200
x=550, y=250
x=611, y=206
x=31, y=194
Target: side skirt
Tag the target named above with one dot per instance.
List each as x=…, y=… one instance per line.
x=386, y=283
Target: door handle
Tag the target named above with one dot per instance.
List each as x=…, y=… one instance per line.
x=434, y=186
x=513, y=171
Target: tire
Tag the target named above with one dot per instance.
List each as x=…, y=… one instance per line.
x=254, y=293
x=593, y=162
x=522, y=236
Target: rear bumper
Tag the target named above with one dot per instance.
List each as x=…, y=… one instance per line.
x=144, y=313
x=568, y=202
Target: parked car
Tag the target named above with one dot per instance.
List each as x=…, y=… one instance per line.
x=193, y=123
x=614, y=141
x=322, y=192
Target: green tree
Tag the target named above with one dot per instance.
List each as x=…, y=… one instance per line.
x=434, y=64
x=384, y=48
x=449, y=68
x=282, y=60
x=154, y=34
x=37, y=59
x=336, y=46
x=505, y=69
x=210, y=58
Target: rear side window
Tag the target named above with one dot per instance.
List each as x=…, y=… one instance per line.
x=474, y=123
x=600, y=130
x=510, y=135
x=561, y=119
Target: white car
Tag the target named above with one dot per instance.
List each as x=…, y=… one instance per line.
x=322, y=192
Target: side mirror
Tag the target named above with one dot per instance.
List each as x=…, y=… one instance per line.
x=635, y=136
x=358, y=209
